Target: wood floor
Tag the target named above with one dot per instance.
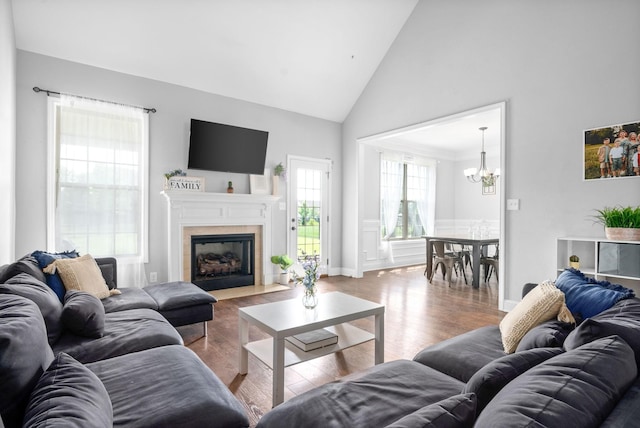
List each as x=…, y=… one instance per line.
x=418, y=313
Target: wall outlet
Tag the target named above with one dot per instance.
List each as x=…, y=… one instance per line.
x=513, y=204
x=153, y=277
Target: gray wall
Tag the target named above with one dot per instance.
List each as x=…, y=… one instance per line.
x=289, y=133
x=562, y=67
x=7, y=132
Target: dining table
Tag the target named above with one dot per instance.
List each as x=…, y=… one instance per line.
x=477, y=244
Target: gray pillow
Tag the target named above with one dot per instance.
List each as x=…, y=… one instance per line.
x=549, y=334
x=24, y=355
x=69, y=395
x=458, y=411
x=42, y=295
x=83, y=314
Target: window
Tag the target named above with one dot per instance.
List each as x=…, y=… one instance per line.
x=98, y=180
x=407, y=196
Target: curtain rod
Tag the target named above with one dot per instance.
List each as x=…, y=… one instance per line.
x=48, y=92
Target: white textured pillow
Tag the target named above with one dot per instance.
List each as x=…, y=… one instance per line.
x=542, y=303
x=82, y=274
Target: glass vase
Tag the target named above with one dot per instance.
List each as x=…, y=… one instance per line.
x=310, y=297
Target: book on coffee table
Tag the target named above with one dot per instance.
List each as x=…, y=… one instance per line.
x=313, y=339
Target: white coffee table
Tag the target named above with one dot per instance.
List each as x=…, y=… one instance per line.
x=289, y=317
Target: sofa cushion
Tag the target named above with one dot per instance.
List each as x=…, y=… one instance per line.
x=549, y=334
x=587, y=296
x=187, y=394
x=463, y=355
x=53, y=280
x=129, y=298
x=178, y=294
x=83, y=314
x=69, y=394
x=577, y=388
x=81, y=273
x=457, y=411
x=42, y=295
x=24, y=355
x=27, y=264
x=124, y=332
x=541, y=304
x=592, y=329
x=627, y=411
x=377, y=396
x=490, y=379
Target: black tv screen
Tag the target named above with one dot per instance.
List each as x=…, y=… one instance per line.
x=226, y=148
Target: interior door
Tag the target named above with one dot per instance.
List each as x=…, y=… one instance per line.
x=309, y=184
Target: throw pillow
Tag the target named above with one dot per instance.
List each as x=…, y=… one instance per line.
x=82, y=274
x=24, y=355
x=549, y=334
x=458, y=411
x=42, y=295
x=69, y=394
x=490, y=379
x=541, y=304
x=83, y=314
x=45, y=259
x=587, y=296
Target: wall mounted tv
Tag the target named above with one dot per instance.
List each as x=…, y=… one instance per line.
x=226, y=148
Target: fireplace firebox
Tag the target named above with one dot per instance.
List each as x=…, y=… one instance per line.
x=223, y=261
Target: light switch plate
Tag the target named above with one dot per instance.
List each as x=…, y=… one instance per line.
x=283, y=206
x=513, y=204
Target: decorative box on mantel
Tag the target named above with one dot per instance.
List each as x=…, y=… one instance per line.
x=183, y=182
x=193, y=213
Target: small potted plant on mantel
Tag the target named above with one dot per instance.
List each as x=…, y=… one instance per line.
x=285, y=262
x=620, y=223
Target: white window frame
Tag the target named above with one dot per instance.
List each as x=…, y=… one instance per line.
x=52, y=166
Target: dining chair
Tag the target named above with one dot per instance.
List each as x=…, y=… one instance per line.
x=448, y=262
x=490, y=264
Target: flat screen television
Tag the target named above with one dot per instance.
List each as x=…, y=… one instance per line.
x=226, y=148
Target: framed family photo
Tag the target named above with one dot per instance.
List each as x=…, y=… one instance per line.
x=612, y=152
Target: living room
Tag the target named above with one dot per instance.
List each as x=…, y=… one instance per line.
x=560, y=68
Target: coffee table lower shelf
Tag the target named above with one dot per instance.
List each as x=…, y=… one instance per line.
x=348, y=336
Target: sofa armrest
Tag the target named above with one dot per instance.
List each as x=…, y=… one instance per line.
x=109, y=268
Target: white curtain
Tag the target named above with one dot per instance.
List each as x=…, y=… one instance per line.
x=102, y=184
x=426, y=195
x=391, y=174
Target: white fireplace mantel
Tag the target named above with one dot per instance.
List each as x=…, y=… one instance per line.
x=188, y=209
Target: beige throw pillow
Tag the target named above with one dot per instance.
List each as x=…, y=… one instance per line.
x=542, y=303
x=82, y=274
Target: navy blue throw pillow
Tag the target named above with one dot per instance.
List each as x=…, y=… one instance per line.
x=45, y=259
x=587, y=296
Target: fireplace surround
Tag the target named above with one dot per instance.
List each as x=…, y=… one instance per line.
x=204, y=213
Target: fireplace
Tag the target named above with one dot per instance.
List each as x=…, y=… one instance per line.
x=223, y=261
x=203, y=213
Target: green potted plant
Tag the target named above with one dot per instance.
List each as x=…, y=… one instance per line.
x=574, y=261
x=620, y=223
x=285, y=262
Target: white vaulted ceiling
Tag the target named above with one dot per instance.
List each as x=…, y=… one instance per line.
x=313, y=57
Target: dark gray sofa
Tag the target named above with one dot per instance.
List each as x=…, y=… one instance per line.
x=125, y=368
x=561, y=376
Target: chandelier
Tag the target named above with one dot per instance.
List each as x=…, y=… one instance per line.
x=483, y=174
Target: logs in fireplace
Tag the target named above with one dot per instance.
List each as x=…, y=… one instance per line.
x=222, y=261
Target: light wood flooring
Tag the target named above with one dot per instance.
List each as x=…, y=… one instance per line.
x=418, y=314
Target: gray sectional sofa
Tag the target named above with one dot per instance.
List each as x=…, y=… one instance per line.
x=560, y=376
x=117, y=362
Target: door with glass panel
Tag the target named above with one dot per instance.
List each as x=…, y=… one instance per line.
x=309, y=209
